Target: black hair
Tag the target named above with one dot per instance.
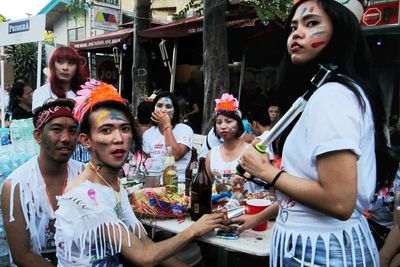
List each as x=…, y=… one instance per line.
x=259, y=114
x=16, y=90
x=65, y=102
x=144, y=110
x=177, y=111
x=348, y=50
x=233, y=115
x=85, y=125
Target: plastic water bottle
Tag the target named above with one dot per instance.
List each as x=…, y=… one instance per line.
x=132, y=173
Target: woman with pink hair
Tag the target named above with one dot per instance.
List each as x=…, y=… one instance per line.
x=66, y=75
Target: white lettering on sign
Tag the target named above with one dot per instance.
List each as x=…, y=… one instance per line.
x=20, y=26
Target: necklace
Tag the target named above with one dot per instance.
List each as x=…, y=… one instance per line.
x=53, y=205
x=118, y=202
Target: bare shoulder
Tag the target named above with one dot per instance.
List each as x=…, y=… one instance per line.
x=77, y=181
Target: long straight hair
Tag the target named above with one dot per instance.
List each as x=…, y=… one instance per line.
x=66, y=53
x=348, y=50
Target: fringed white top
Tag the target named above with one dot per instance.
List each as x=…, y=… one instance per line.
x=38, y=214
x=332, y=120
x=87, y=221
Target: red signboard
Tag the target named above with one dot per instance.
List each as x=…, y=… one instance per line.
x=381, y=14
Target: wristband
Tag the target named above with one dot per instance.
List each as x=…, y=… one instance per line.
x=276, y=178
x=169, y=126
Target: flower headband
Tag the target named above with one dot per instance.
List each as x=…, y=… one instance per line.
x=94, y=92
x=227, y=102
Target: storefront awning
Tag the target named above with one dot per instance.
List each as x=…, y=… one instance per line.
x=105, y=40
x=194, y=25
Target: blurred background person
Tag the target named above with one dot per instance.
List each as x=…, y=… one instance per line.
x=168, y=131
x=21, y=101
x=193, y=111
x=274, y=113
x=144, y=110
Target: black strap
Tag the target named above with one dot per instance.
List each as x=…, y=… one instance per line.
x=208, y=145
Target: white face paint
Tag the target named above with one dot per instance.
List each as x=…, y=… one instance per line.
x=165, y=105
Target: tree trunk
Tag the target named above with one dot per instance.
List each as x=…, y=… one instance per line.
x=140, y=68
x=215, y=57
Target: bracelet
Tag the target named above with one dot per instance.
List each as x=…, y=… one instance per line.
x=276, y=178
x=169, y=126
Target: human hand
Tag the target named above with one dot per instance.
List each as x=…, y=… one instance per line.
x=162, y=119
x=256, y=163
x=207, y=223
x=246, y=222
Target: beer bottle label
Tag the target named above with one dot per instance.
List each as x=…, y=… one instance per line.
x=196, y=208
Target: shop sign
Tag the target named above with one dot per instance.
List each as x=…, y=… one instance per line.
x=381, y=13
x=116, y=4
x=105, y=18
x=23, y=31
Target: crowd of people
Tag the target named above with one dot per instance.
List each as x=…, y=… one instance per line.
x=338, y=199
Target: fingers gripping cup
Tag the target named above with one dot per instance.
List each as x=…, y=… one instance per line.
x=255, y=206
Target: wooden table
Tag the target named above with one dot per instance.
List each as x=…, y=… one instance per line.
x=251, y=242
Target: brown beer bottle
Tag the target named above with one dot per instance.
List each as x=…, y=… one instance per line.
x=200, y=192
x=191, y=171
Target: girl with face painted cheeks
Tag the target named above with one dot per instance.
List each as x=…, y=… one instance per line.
x=221, y=160
x=335, y=156
x=167, y=131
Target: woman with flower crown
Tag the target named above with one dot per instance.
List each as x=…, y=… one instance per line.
x=95, y=222
x=221, y=160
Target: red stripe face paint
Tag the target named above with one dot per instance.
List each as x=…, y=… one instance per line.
x=317, y=44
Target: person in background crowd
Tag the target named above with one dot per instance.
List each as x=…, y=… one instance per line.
x=383, y=226
x=274, y=113
x=336, y=154
x=21, y=101
x=194, y=107
x=66, y=75
x=167, y=131
x=6, y=123
x=388, y=252
x=221, y=160
x=144, y=110
x=260, y=123
x=95, y=222
x=29, y=193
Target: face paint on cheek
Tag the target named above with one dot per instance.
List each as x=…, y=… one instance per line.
x=171, y=111
x=233, y=130
x=317, y=44
x=318, y=31
x=46, y=140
